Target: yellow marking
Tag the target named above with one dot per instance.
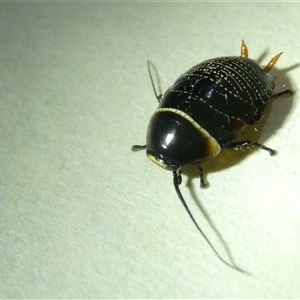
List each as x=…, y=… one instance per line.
x=272, y=62
x=244, y=50
x=157, y=161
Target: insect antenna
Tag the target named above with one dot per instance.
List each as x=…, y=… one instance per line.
x=158, y=96
x=177, y=181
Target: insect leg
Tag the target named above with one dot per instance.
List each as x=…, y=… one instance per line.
x=136, y=148
x=203, y=184
x=242, y=144
x=283, y=93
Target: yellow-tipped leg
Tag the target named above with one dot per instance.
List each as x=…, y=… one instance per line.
x=244, y=50
x=272, y=62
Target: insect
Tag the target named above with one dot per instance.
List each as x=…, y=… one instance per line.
x=204, y=112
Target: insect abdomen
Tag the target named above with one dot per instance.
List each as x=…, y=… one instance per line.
x=222, y=95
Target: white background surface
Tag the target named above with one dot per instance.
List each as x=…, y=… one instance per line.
x=83, y=216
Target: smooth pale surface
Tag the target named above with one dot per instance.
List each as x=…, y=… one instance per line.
x=83, y=216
